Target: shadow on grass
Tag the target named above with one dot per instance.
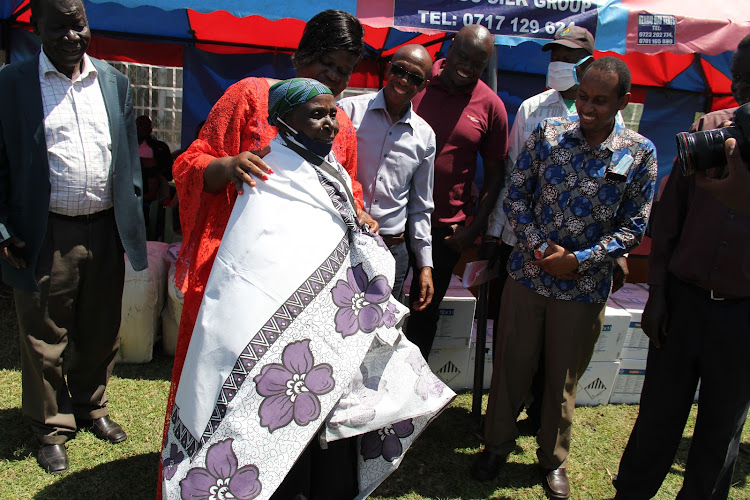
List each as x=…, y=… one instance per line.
x=159, y=368
x=10, y=349
x=127, y=478
x=741, y=469
x=17, y=442
x=438, y=464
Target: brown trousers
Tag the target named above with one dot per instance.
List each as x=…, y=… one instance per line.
x=80, y=273
x=568, y=332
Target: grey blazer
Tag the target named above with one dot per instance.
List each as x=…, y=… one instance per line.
x=24, y=169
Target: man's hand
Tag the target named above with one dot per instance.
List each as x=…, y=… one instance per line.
x=237, y=170
x=461, y=239
x=734, y=189
x=619, y=273
x=364, y=218
x=655, y=315
x=7, y=253
x=558, y=261
x=425, y=290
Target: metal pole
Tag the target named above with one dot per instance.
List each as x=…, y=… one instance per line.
x=478, y=387
x=484, y=291
x=492, y=71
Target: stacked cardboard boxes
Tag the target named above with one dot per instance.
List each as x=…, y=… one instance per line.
x=449, y=357
x=596, y=383
x=632, y=372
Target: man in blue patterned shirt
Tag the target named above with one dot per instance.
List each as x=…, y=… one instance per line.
x=580, y=197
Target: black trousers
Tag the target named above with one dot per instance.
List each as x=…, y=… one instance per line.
x=423, y=324
x=708, y=341
x=319, y=474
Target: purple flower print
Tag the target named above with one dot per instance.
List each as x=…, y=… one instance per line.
x=291, y=389
x=379, y=240
x=386, y=441
x=389, y=316
x=169, y=464
x=427, y=384
x=358, y=300
x=220, y=478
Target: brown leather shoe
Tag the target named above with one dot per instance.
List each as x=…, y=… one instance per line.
x=556, y=483
x=53, y=458
x=105, y=429
x=487, y=465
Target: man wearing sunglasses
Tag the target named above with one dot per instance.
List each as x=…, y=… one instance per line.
x=468, y=119
x=396, y=152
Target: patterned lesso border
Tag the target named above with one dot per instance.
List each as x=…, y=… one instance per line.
x=260, y=344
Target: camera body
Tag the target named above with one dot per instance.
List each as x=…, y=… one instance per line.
x=704, y=150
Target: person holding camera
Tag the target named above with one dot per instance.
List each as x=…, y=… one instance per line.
x=733, y=190
x=698, y=319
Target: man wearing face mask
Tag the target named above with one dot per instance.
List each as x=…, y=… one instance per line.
x=571, y=52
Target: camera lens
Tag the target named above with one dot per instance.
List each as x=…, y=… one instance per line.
x=703, y=150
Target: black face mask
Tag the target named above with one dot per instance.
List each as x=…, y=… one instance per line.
x=319, y=148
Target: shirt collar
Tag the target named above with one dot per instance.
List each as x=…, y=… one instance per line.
x=46, y=67
x=613, y=142
x=379, y=103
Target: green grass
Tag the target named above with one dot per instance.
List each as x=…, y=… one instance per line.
x=436, y=467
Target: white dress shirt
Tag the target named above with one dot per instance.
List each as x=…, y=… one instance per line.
x=79, y=143
x=395, y=165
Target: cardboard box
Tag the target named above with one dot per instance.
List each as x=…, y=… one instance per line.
x=611, y=339
x=450, y=364
x=629, y=382
x=636, y=342
x=633, y=298
x=596, y=383
x=473, y=356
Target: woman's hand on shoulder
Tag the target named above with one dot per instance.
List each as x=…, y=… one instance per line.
x=238, y=169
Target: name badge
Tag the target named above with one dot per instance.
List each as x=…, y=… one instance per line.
x=619, y=172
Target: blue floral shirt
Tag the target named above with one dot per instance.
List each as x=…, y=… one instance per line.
x=593, y=201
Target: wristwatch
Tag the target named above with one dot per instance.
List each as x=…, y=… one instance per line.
x=539, y=252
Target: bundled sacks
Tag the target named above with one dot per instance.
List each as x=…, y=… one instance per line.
x=142, y=302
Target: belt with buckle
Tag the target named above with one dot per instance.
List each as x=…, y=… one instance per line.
x=83, y=218
x=394, y=240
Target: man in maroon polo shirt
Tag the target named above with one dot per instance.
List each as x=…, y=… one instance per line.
x=468, y=119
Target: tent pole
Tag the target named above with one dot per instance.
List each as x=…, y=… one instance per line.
x=492, y=70
x=484, y=292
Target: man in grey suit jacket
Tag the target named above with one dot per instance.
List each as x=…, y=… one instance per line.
x=70, y=204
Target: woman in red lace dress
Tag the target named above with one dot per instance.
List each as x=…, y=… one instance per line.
x=210, y=172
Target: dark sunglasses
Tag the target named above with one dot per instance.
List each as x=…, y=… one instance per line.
x=400, y=72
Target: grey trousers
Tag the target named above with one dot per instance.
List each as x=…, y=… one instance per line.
x=80, y=274
x=567, y=331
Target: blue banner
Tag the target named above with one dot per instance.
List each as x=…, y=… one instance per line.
x=656, y=29
x=538, y=19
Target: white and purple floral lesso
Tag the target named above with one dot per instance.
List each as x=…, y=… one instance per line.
x=298, y=336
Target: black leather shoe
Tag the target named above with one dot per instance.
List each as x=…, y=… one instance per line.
x=53, y=458
x=487, y=465
x=105, y=429
x=556, y=483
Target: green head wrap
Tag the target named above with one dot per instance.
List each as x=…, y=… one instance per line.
x=287, y=95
